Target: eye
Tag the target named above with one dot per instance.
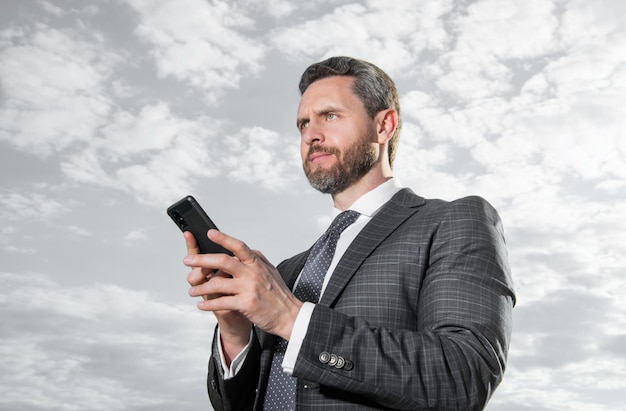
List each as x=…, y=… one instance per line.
x=303, y=125
x=331, y=116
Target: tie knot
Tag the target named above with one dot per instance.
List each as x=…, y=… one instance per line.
x=342, y=221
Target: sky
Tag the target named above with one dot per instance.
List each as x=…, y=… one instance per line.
x=112, y=110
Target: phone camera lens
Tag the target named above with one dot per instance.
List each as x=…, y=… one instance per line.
x=179, y=219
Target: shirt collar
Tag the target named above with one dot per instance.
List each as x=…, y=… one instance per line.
x=369, y=203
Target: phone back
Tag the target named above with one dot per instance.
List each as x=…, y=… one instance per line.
x=189, y=216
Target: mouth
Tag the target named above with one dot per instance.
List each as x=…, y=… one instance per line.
x=318, y=156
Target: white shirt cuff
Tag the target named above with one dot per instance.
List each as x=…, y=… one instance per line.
x=298, y=333
x=235, y=365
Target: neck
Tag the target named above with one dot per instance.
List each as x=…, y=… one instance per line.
x=342, y=201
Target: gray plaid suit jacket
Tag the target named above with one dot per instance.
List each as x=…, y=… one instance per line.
x=416, y=316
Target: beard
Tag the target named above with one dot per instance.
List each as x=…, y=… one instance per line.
x=349, y=167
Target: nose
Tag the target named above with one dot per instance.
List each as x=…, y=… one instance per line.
x=312, y=134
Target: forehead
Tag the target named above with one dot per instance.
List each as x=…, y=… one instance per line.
x=333, y=91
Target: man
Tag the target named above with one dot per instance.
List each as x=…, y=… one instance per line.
x=416, y=298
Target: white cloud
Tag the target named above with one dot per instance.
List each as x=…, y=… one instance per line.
x=78, y=232
x=260, y=156
x=170, y=171
x=508, y=29
x=564, y=122
x=389, y=34
x=200, y=42
x=153, y=154
x=112, y=352
x=51, y=8
x=86, y=167
x=585, y=23
x=157, y=156
x=18, y=207
x=280, y=8
x=152, y=129
x=52, y=85
x=490, y=35
x=527, y=391
x=135, y=236
x=421, y=164
x=55, y=82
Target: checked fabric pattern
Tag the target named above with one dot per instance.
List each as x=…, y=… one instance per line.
x=281, y=388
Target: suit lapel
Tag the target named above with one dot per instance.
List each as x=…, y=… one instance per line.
x=397, y=210
x=291, y=268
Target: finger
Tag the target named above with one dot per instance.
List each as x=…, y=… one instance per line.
x=241, y=251
x=218, y=273
x=198, y=276
x=223, y=303
x=194, y=292
x=214, y=288
x=211, y=262
x=192, y=244
x=261, y=257
x=219, y=303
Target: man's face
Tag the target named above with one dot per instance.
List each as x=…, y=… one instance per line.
x=338, y=138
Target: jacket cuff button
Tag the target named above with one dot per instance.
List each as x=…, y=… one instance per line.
x=333, y=360
x=324, y=357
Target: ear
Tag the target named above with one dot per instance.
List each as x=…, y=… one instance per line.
x=386, y=123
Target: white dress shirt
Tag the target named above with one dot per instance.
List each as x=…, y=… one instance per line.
x=367, y=206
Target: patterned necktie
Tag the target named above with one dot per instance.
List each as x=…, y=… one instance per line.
x=281, y=387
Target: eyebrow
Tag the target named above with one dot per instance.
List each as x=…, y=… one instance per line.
x=320, y=112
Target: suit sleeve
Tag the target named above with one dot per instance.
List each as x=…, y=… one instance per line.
x=237, y=393
x=452, y=353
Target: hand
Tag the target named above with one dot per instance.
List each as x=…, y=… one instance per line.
x=246, y=283
x=235, y=328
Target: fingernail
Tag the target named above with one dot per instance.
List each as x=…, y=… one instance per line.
x=188, y=259
x=201, y=304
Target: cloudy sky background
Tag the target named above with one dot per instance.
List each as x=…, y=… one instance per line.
x=112, y=110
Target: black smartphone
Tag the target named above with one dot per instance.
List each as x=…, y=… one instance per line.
x=189, y=216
